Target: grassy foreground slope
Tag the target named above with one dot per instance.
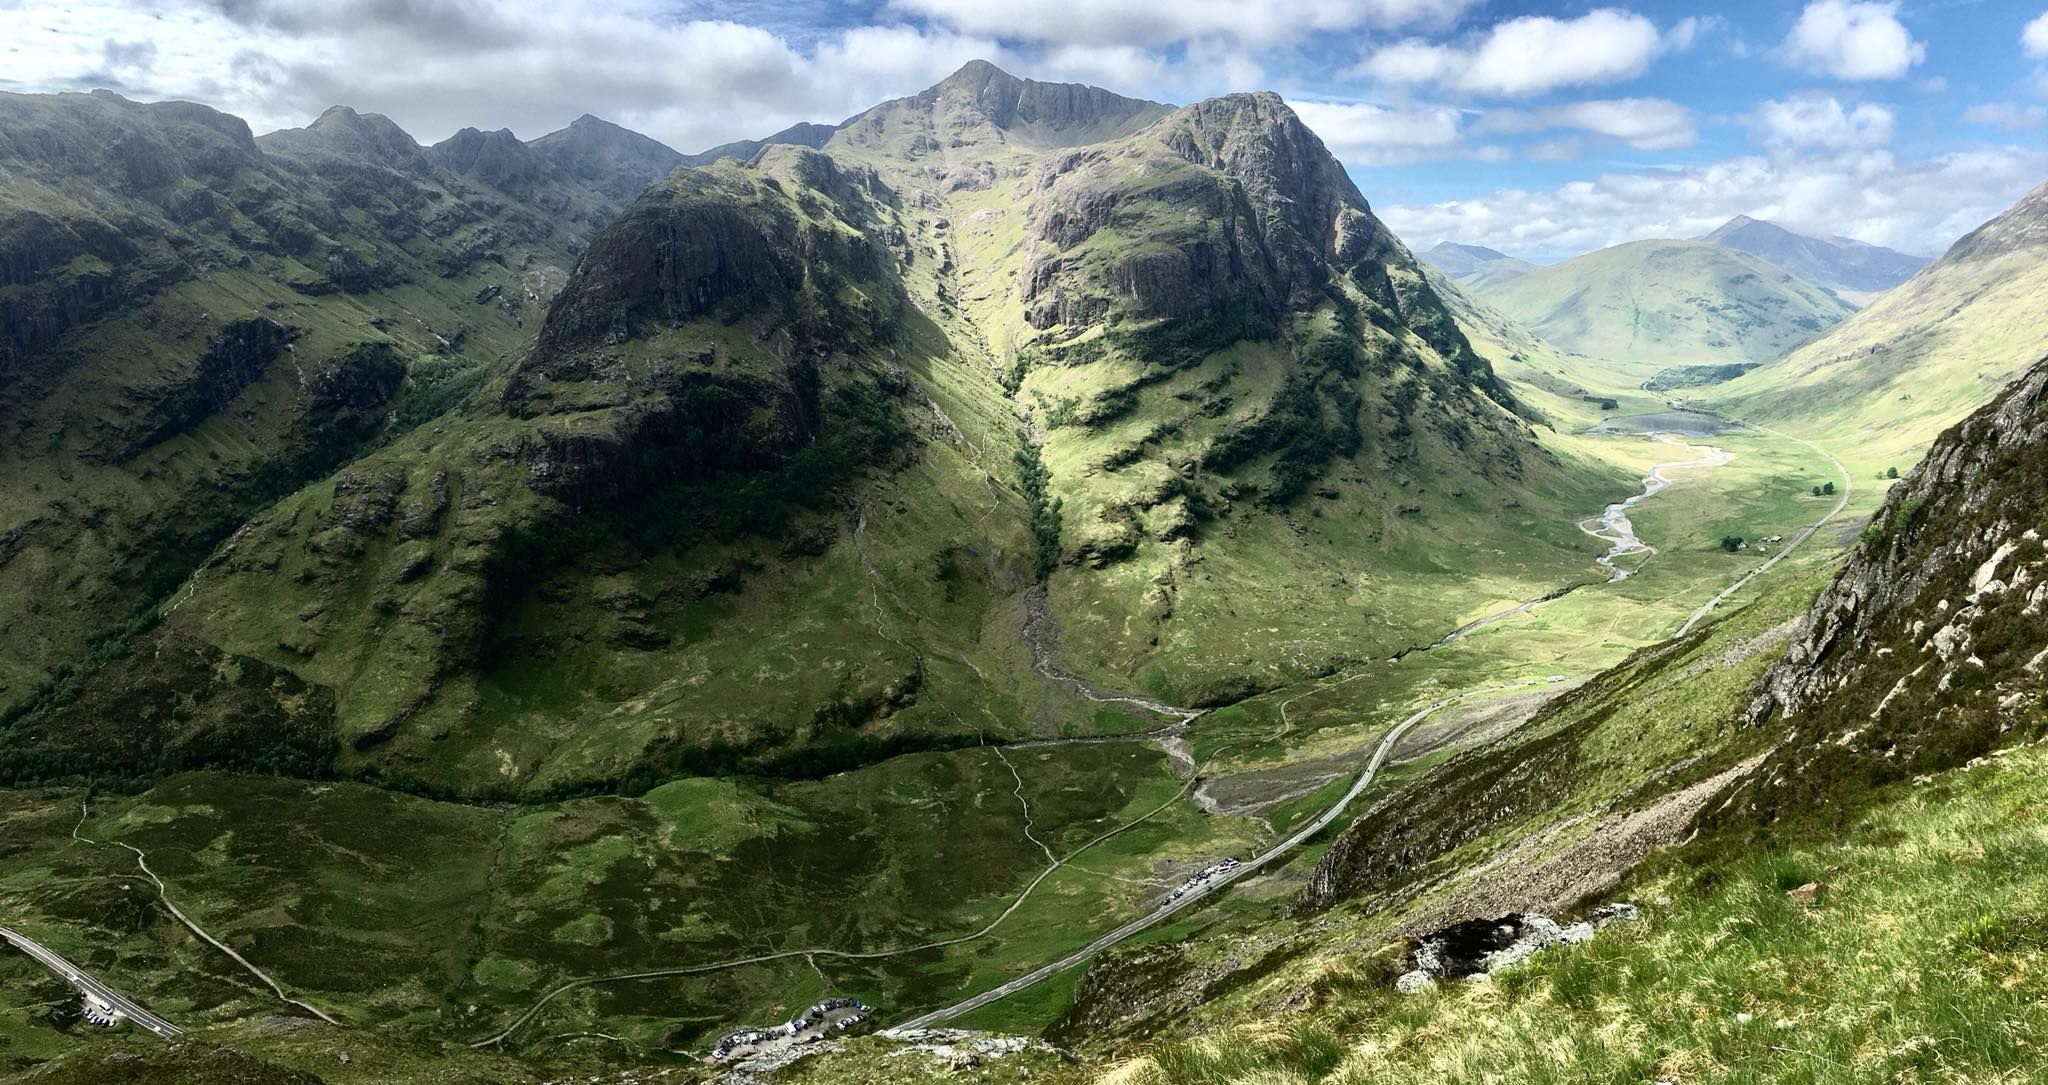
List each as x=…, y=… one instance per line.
x=1879, y=388
x=1646, y=305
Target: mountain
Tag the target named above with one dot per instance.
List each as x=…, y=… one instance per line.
x=1851, y=267
x=198, y=322
x=1806, y=770
x=1085, y=355
x=1476, y=265
x=801, y=134
x=1878, y=388
x=1668, y=303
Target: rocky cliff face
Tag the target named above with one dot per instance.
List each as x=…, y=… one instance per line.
x=1931, y=646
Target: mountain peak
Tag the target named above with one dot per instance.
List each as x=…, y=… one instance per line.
x=982, y=104
x=341, y=130
x=1837, y=263
x=976, y=73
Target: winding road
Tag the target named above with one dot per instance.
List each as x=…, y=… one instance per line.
x=1214, y=885
x=88, y=985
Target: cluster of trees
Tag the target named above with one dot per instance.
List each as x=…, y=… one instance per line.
x=1825, y=489
x=1035, y=478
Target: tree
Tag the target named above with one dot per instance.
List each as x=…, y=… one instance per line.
x=1891, y=472
x=1731, y=543
x=1816, y=491
x=1828, y=489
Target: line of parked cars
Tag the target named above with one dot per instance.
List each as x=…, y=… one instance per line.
x=1200, y=878
x=794, y=1028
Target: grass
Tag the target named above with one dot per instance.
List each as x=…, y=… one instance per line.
x=1652, y=304
x=1880, y=387
x=1921, y=962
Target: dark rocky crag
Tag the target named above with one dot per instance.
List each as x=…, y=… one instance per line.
x=1927, y=650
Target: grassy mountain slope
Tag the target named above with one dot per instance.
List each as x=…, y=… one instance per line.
x=198, y=322
x=776, y=483
x=1882, y=385
x=1652, y=304
x=1853, y=268
x=1880, y=742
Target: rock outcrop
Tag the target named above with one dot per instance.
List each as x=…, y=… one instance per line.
x=1926, y=650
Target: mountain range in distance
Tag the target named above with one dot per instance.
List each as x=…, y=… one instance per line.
x=1856, y=270
x=1740, y=296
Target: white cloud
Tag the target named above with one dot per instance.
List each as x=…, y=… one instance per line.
x=2009, y=115
x=1568, y=149
x=1347, y=126
x=1816, y=120
x=1853, y=41
x=1645, y=124
x=2034, y=39
x=1870, y=195
x=1533, y=54
x=1165, y=22
x=436, y=67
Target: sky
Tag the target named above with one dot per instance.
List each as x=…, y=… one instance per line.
x=1541, y=129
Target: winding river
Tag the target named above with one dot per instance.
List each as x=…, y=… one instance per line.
x=1613, y=526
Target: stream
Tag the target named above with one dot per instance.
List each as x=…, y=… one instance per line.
x=1614, y=526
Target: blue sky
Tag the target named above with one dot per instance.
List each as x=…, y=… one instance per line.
x=1541, y=129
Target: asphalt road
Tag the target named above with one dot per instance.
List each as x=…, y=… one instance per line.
x=79, y=978
x=1215, y=885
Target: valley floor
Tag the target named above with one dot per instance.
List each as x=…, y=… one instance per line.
x=443, y=923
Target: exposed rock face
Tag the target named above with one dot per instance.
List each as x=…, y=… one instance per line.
x=497, y=158
x=1928, y=648
x=1480, y=947
x=2022, y=226
x=713, y=239
x=236, y=359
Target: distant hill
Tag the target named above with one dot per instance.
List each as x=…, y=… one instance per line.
x=801, y=134
x=1476, y=265
x=1668, y=302
x=1922, y=356
x=1838, y=263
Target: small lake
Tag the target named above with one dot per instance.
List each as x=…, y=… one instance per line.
x=1683, y=423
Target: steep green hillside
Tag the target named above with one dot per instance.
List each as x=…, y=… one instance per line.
x=1880, y=387
x=197, y=323
x=1824, y=810
x=1651, y=304
x=831, y=455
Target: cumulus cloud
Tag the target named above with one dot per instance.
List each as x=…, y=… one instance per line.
x=2011, y=116
x=1869, y=195
x=1350, y=125
x=1533, y=54
x=1645, y=124
x=438, y=65
x=1817, y=120
x=1852, y=41
x=2034, y=38
x=1165, y=22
